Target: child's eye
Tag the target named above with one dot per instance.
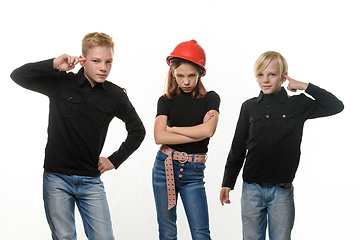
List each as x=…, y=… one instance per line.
x=95, y=61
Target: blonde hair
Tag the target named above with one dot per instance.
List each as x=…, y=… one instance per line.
x=96, y=39
x=263, y=61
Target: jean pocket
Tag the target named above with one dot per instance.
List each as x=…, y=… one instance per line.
x=160, y=156
x=103, y=115
x=286, y=186
x=200, y=166
x=69, y=105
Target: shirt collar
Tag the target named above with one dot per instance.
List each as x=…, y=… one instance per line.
x=280, y=96
x=81, y=79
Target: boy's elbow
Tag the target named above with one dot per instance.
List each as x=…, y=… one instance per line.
x=341, y=107
x=338, y=108
x=15, y=78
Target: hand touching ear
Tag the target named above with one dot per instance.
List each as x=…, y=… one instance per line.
x=295, y=85
x=66, y=62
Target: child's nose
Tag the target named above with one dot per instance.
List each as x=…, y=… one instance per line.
x=103, y=67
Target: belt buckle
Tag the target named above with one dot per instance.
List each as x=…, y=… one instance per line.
x=186, y=159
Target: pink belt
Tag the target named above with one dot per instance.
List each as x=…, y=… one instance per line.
x=182, y=157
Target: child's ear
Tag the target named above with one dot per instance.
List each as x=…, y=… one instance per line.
x=82, y=60
x=283, y=78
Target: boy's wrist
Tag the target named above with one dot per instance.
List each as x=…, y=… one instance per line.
x=305, y=85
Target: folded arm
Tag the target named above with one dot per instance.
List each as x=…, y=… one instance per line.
x=205, y=130
x=162, y=136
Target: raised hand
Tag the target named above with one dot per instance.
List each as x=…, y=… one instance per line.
x=66, y=62
x=295, y=85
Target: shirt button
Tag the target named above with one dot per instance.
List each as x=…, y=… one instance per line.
x=181, y=169
x=70, y=98
x=267, y=116
x=180, y=175
x=284, y=116
x=183, y=164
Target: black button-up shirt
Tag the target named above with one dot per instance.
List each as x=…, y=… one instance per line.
x=79, y=118
x=269, y=132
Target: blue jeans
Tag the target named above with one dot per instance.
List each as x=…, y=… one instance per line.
x=262, y=203
x=61, y=192
x=189, y=184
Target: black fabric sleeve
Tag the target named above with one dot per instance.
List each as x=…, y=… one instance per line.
x=237, y=152
x=163, y=106
x=324, y=103
x=38, y=76
x=135, y=128
x=213, y=103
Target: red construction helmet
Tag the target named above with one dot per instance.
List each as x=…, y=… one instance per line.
x=191, y=51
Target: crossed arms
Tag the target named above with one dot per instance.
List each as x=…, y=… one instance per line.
x=179, y=135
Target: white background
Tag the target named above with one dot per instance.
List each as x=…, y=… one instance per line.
x=319, y=39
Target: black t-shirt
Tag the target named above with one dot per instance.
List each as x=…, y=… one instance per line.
x=185, y=111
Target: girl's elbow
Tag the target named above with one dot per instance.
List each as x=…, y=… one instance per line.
x=157, y=140
x=210, y=133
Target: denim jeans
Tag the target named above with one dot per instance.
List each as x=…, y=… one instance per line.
x=267, y=203
x=61, y=192
x=189, y=184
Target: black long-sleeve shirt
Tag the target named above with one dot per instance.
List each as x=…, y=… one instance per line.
x=269, y=132
x=79, y=117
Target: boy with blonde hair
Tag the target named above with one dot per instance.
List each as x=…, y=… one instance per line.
x=81, y=107
x=268, y=135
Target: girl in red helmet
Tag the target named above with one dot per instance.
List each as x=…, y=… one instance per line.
x=187, y=116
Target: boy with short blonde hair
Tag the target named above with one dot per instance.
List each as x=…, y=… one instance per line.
x=268, y=135
x=96, y=39
x=263, y=61
x=82, y=106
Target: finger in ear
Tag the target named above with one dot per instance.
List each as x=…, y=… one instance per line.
x=82, y=60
